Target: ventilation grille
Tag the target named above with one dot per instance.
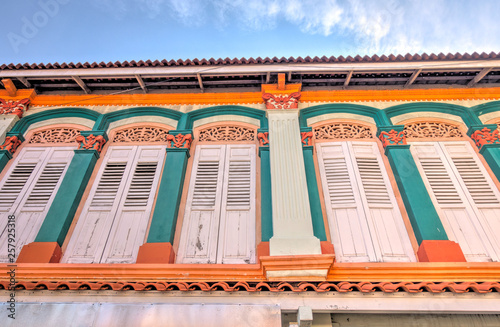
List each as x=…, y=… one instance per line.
x=45, y=185
x=339, y=184
x=373, y=181
x=108, y=185
x=142, y=182
x=475, y=181
x=238, y=190
x=205, y=186
x=15, y=183
x=440, y=181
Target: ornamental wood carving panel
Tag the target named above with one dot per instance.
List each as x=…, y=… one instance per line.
x=342, y=131
x=141, y=134
x=227, y=133
x=431, y=130
x=55, y=135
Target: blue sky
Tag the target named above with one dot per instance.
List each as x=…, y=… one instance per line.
x=116, y=30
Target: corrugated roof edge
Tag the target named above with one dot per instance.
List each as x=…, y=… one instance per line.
x=259, y=60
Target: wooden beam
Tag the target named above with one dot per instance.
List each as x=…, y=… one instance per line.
x=479, y=76
x=268, y=77
x=81, y=83
x=200, y=81
x=10, y=87
x=25, y=82
x=141, y=83
x=413, y=77
x=348, y=78
x=289, y=76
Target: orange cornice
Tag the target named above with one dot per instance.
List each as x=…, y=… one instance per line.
x=256, y=97
x=353, y=272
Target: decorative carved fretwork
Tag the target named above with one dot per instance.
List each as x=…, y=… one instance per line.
x=91, y=142
x=306, y=138
x=392, y=137
x=227, y=133
x=431, y=130
x=342, y=131
x=263, y=138
x=180, y=140
x=279, y=101
x=11, y=144
x=485, y=136
x=55, y=135
x=141, y=134
x=14, y=107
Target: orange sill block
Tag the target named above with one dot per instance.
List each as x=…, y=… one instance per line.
x=40, y=252
x=440, y=251
x=156, y=253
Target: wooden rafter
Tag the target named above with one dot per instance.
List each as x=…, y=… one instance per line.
x=348, y=78
x=413, y=77
x=200, y=81
x=479, y=76
x=141, y=83
x=82, y=84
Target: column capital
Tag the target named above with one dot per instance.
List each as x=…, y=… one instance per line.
x=180, y=138
x=391, y=135
x=484, y=135
x=306, y=135
x=263, y=137
x=92, y=140
x=12, y=142
x=14, y=107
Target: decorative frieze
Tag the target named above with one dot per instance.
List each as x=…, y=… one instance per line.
x=392, y=137
x=11, y=143
x=306, y=138
x=91, y=142
x=141, y=134
x=281, y=101
x=227, y=133
x=180, y=140
x=55, y=135
x=484, y=135
x=342, y=131
x=431, y=130
x=14, y=107
x=263, y=138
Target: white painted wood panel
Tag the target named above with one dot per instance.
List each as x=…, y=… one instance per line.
x=455, y=179
x=199, y=235
x=365, y=221
x=29, y=190
x=219, y=221
x=237, y=224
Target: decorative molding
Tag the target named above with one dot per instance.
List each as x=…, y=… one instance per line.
x=431, y=130
x=306, y=138
x=14, y=107
x=263, y=138
x=281, y=101
x=141, y=134
x=244, y=286
x=11, y=143
x=342, y=131
x=180, y=140
x=226, y=133
x=485, y=136
x=55, y=135
x=392, y=137
x=91, y=142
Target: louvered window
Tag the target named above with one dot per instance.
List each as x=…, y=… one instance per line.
x=28, y=189
x=365, y=221
x=464, y=195
x=219, y=219
x=113, y=222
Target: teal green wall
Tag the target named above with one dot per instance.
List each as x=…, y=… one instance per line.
x=61, y=212
x=266, y=201
x=187, y=120
x=5, y=156
x=491, y=153
x=169, y=195
x=314, y=199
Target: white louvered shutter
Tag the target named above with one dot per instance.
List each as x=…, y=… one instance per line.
x=449, y=194
x=387, y=229
x=237, y=223
x=346, y=217
x=29, y=190
x=199, y=235
x=130, y=224
x=92, y=229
